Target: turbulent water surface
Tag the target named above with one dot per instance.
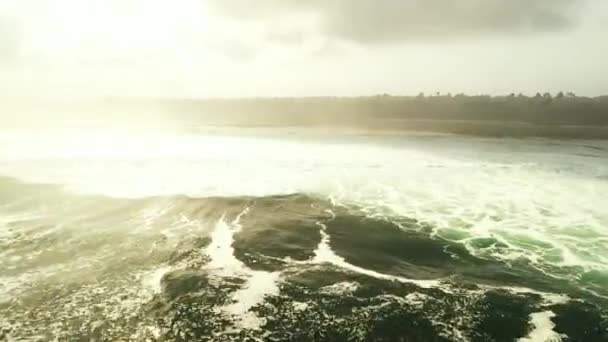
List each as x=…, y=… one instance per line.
x=300, y=236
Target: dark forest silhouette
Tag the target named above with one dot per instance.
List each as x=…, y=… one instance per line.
x=547, y=109
x=562, y=115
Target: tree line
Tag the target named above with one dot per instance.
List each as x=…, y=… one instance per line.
x=547, y=109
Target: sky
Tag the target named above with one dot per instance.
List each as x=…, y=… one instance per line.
x=258, y=48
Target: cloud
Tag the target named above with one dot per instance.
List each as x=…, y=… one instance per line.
x=381, y=21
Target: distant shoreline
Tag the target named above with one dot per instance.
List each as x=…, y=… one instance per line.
x=550, y=116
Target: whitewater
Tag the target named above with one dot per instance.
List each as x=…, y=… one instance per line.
x=533, y=208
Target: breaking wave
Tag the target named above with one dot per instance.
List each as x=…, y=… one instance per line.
x=301, y=240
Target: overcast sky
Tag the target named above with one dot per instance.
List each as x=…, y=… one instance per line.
x=242, y=48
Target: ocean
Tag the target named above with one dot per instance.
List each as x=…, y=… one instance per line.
x=291, y=234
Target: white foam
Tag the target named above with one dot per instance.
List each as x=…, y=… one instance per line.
x=258, y=284
x=416, y=298
x=346, y=287
x=543, y=328
x=542, y=202
x=299, y=306
x=151, y=280
x=12, y=287
x=221, y=252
